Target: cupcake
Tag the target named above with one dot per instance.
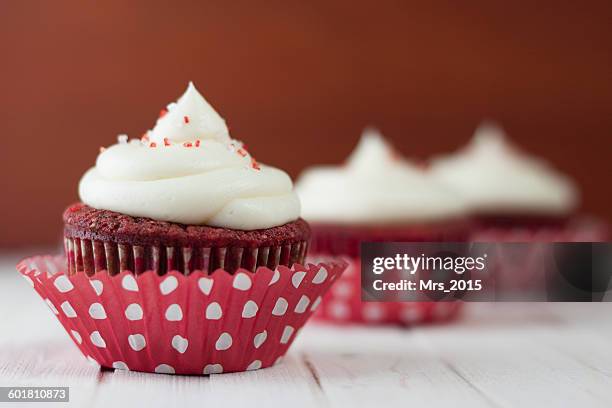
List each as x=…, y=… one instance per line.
x=376, y=196
x=513, y=196
x=184, y=255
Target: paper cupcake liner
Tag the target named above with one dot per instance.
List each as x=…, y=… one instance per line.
x=342, y=304
x=91, y=256
x=185, y=324
x=576, y=230
x=346, y=240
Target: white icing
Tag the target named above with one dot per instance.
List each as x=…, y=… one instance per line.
x=493, y=177
x=190, y=118
x=212, y=184
x=375, y=186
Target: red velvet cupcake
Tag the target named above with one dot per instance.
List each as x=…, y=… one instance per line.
x=513, y=196
x=376, y=196
x=185, y=255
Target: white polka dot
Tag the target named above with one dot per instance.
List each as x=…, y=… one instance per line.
x=92, y=361
x=275, y=277
x=30, y=281
x=213, y=311
x=373, y=312
x=320, y=276
x=342, y=289
x=174, y=313
x=411, y=314
x=255, y=365
x=223, y=342
x=164, y=369
x=129, y=283
x=96, y=311
x=339, y=310
x=97, y=339
x=280, y=307
x=250, y=309
x=180, y=343
x=260, y=339
x=168, y=285
x=51, y=306
x=297, y=279
x=63, y=284
x=287, y=332
x=137, y=341
x=302, y=305
x=134, y=312
x=97, y=286
x=120, y=365
x=315, y=304
x=242, y=281
x=213, y=369
x=76, y=336
x=68, y=309
x=205, y=285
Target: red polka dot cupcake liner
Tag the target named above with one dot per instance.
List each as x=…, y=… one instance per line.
x=576, y=230
x=342, y=304
x=174, y=323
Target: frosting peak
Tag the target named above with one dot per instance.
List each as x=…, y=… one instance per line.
x=190, y=118
x=494, y=176
x=188, y=170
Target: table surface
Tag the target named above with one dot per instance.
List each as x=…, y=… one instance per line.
x=496, y=355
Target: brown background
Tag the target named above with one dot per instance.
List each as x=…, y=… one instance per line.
x=297, y=81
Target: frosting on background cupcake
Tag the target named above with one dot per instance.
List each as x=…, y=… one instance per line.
x=188, y=170
x=375, y=186
x=493, y=177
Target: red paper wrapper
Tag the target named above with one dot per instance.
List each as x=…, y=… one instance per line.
x=342, y=304
x=185, y=324
x=91, y=256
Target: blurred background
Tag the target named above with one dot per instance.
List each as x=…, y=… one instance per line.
x=297, y=81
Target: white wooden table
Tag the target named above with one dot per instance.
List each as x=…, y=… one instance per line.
x=503, y=355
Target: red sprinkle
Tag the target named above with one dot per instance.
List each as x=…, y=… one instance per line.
x=186, y=119
x=242, y=152
x=152, y=144
x=162, y=113
x=254, y=164
x=197, y=143
x=166, y=142
x=187, y=144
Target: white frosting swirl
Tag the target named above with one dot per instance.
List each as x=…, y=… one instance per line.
x=190, y=171
x=493, y=177
x=376, y=186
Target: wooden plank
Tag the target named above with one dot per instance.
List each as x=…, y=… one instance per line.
x=525, y=365
x=369, y=367
x=48, y=365
x=288, y=384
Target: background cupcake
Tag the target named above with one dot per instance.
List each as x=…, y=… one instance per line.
x=511, y=194
x=376, y=196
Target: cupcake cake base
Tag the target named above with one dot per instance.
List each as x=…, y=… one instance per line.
x=97, y=240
